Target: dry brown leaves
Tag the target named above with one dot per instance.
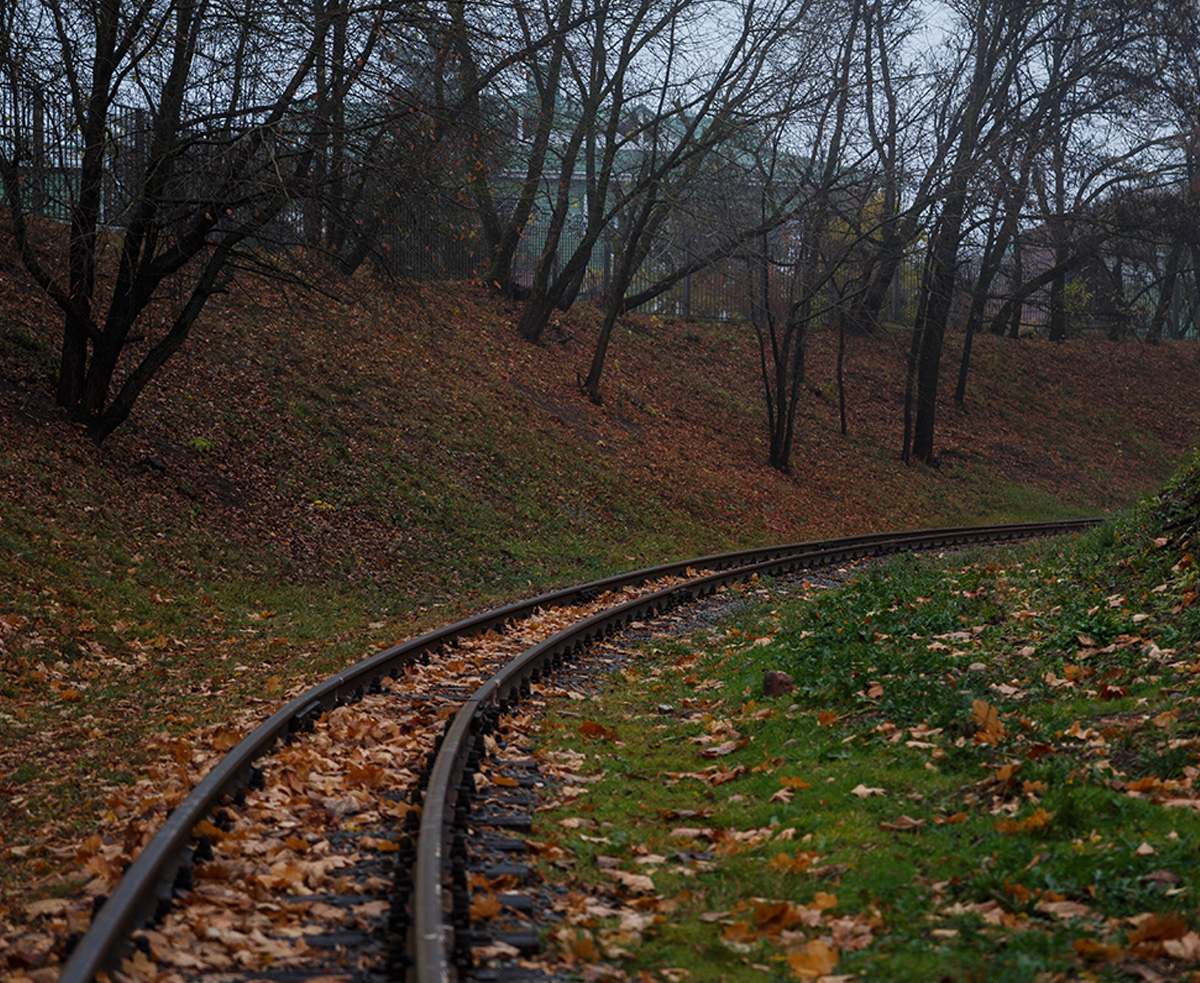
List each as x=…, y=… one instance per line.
x=328, y=804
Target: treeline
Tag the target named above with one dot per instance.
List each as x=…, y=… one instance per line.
x=1024, y=156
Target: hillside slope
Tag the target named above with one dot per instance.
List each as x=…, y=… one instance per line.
x=381, y=440
x=311, y=479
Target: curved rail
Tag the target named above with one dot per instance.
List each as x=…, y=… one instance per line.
x=437, y=948
x=146, y=889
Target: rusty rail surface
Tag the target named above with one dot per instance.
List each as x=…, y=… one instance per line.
x=145, y=892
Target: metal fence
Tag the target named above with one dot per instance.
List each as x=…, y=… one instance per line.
x=728, y=289
x=425, y=235
x=37, y=132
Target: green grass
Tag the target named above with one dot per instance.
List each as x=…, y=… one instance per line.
x=1012, y=721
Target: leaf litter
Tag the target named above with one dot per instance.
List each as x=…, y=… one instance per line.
x=1037, y=771
x=323, y=826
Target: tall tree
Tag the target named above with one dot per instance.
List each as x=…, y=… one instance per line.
x=1061, y=48
x=197, y=127
x=991, y=58
x=695, y=120
x=826, y=119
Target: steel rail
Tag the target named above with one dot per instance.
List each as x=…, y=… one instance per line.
x=437, y=948
x=146, y=888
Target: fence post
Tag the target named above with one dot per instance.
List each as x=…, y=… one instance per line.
x=687, y=280
x=38, y=162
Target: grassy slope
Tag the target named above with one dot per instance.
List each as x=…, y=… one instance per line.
x=989, y=760
x=311, y=479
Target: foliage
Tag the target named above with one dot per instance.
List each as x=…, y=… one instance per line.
x=1179, y=502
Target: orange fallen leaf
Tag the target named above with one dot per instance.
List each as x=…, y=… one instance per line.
x=724, y=775
x=739, y=933
x=583, y=946
x=1006, y=774
x=1157, y=928
x=485, y=905
x=792, y=865
x=1098, y=952
x=772, y=918
x=589, y=728
x=1038, y=820
x=814, y=959
x=987, y=718
x=822, y=901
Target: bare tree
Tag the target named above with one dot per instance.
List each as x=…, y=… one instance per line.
x=697, y=120
x=186, y=130
x=831, y=162
x=626, y=85
x=1060, y=49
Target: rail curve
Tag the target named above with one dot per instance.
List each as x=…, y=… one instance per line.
x=432, y=956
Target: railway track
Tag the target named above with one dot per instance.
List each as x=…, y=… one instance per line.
x=373, y=772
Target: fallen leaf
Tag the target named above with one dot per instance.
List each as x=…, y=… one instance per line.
x=792, y=865
x=814, y=959
x=1186, y=949
x=1157, y=928
x=50, y=906
x=822, y=901
x=1065, y=910
x=904, y=824
x=633, y=882
x=485, y=905
x=987, y=718
x=1097, y=952
x=589, y=728
x=1038, y=820
x=863, y=792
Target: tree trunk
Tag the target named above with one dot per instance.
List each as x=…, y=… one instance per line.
x=1165, y=293
x=631, y=258
x=841, y=376
x=935, y=316
x=85, y=215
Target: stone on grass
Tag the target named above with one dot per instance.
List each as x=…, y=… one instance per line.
x=777, y=683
